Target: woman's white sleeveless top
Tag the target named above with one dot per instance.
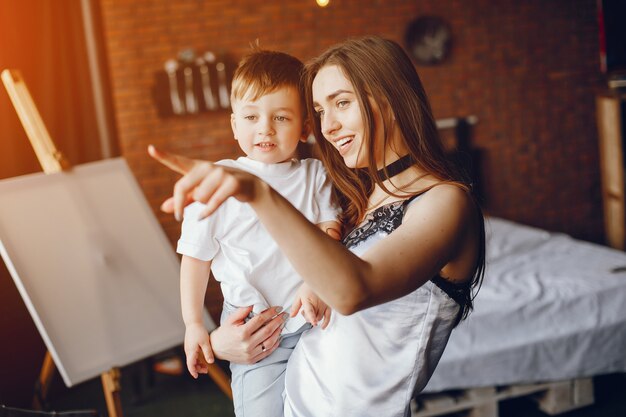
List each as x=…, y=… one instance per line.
x=373, y=362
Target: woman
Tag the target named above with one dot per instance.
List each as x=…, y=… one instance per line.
x=415, y=241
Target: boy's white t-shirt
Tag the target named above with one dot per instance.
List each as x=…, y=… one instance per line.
x=246, y=261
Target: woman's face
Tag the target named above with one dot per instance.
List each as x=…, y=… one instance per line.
x=337, y=107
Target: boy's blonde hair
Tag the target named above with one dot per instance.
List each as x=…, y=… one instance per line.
x=262, y=72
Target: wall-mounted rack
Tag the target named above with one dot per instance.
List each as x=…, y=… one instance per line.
x=193, y=84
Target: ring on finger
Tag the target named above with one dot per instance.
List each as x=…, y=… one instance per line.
x=263, y=348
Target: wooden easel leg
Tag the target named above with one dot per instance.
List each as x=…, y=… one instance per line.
x=43, y=383
x=221, y=379
x=111, y=387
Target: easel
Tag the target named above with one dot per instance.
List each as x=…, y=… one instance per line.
x=53, y=161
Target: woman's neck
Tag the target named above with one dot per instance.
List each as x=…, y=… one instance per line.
x=399, y=187
x=400, y=173
x=400, y=183
x=394, y=168
x=407, y=181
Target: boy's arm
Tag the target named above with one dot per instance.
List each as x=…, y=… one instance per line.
x=313, y=308
x=194, y=277
x=327, y=205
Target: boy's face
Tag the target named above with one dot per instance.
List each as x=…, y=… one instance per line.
x=269, y=128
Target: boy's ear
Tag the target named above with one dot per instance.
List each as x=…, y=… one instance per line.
x=306, y=130
x=233, y=125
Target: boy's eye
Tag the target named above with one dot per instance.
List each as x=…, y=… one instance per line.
x=249, y=117
x=280, y=118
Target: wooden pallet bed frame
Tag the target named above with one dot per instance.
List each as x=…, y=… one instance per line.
x=552, y=398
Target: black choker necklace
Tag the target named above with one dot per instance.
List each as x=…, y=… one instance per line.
x=395, y=167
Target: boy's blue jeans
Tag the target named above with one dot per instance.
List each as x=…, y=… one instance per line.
x=258, y=388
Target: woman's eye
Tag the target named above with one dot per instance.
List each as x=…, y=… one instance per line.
x=342, y=103
x=249, y=117
x=319, y=112
x=280, y=118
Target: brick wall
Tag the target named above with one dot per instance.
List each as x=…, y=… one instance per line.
x=528, y=70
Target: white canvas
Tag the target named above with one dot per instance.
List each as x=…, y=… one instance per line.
x=96, y=271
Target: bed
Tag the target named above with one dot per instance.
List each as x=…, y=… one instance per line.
x=551, y=308
x=550, y=315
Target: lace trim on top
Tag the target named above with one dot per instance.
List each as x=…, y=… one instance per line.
x=385, y=219
x=388, y=218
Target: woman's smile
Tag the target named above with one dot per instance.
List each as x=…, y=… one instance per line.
x=344, y=144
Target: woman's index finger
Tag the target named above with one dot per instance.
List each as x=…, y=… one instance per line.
x=176, y=163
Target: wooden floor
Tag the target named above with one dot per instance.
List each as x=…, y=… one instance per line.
x=174, y=396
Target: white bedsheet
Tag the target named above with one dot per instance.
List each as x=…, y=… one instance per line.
x=550, y=308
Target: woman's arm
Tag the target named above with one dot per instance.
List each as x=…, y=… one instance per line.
x=434, y=231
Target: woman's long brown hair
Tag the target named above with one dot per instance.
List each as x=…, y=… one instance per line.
x=380, y=70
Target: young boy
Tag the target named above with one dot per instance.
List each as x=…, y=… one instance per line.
x=268, y=121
